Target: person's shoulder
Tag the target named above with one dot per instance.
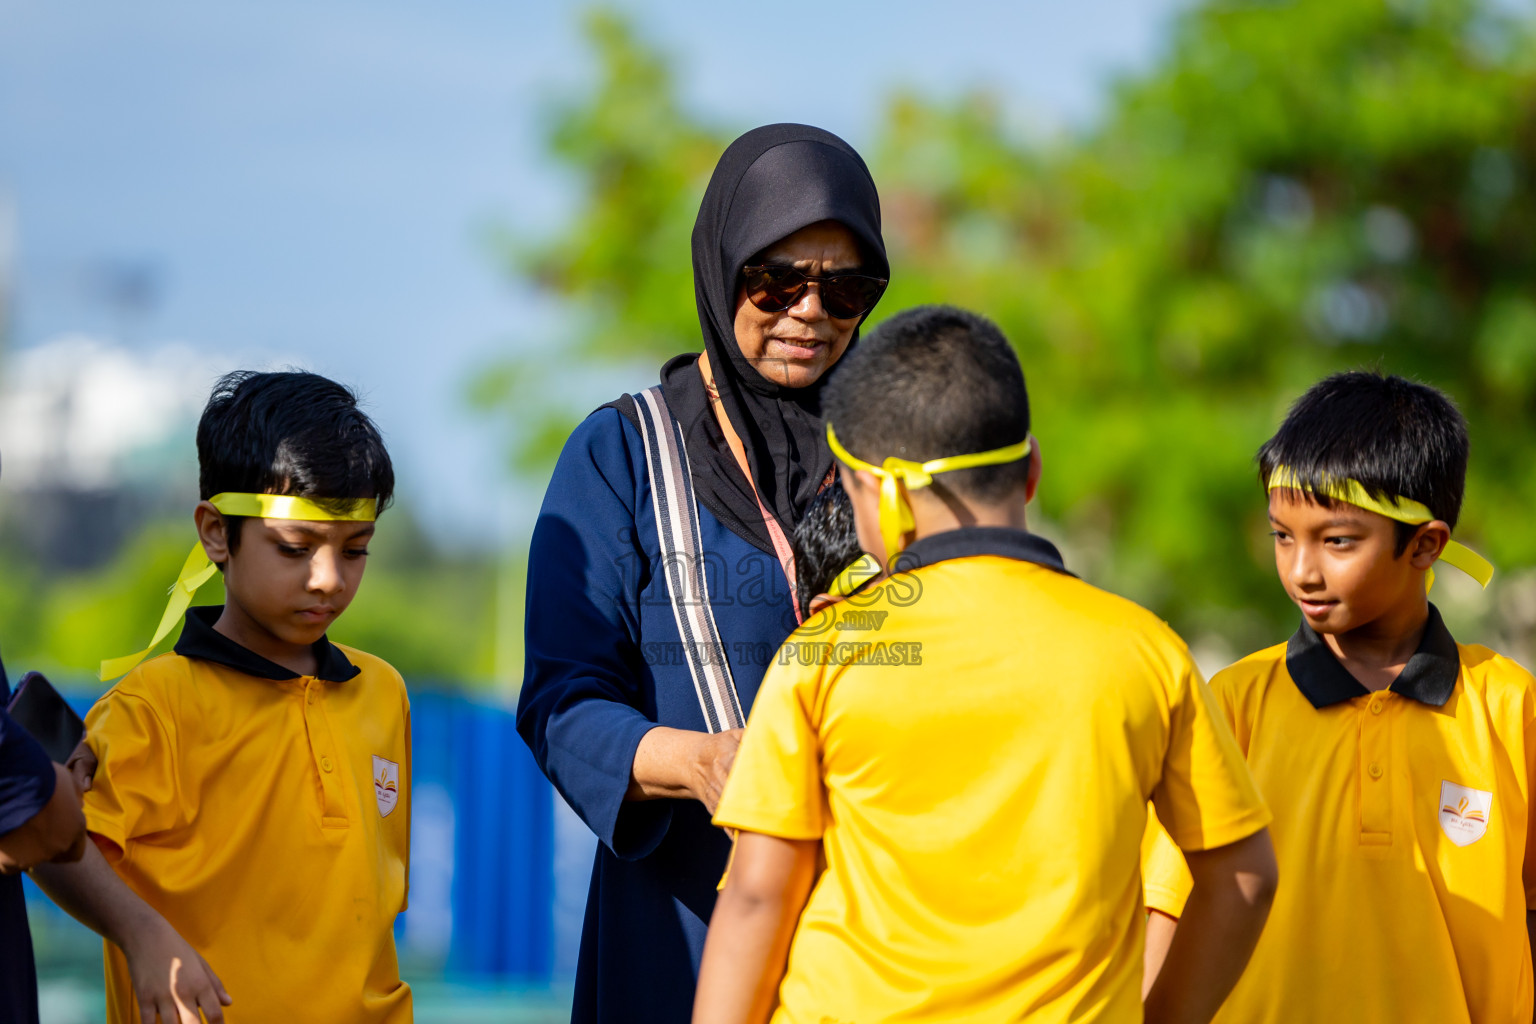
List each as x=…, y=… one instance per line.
x=1253, y=672
x=374, y=672
x=1494, y=673
x=603, y=453
x=605, y=429
x=1111, y=615
x=155, y=682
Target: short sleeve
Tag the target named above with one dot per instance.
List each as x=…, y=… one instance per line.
x=775, y=787
x=134, y=792
x=26, y=775
x=1165, y=879
x=1206, y=797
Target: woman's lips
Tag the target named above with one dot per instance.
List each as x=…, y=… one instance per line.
x=798, y=348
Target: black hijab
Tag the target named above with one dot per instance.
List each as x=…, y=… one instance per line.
x=769, y=183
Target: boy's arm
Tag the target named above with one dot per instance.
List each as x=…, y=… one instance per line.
x=1160, y=929
x=754, y=919
x=1234, y=886
x=169, y=977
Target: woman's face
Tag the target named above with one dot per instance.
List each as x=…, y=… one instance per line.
x=795, y=347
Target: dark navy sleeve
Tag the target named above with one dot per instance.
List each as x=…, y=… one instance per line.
x=26, y=775
x=586, y=689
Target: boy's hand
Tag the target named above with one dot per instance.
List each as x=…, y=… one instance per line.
x=55, y=834
x=171, y=980
x=82, y=765
x=712, y=761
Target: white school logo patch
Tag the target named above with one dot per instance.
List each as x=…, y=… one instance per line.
x=1464, y=812
x=386, y=784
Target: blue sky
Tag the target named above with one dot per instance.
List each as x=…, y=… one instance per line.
x=311, y=180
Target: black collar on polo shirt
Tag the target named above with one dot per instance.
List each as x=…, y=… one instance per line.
x=1429, y=677
x=200, y=640
x=970, y=541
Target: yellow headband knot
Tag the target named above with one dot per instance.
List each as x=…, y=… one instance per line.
x=1404, y=510
x=198, y=569
x=895, y=513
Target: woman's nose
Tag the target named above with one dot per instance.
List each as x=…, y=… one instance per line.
x=809, y=306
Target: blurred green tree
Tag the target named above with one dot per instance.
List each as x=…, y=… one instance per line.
x=1292, y=189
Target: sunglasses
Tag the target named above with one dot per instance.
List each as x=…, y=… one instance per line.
x=774, y=288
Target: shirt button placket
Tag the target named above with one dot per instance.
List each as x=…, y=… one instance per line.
x=1375, y=769
x=333, y=807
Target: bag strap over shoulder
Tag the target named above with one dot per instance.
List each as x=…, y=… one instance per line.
x=677, y=525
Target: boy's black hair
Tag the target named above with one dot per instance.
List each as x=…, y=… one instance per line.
x=290, y=433
x=1397, y=437
x=930, y=382
x=826, y=543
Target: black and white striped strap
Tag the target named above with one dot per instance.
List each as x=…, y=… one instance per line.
x=677, y=524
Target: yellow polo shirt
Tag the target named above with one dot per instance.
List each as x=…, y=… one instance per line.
x=974, y=742
x=1403, y=833
x=267, y=818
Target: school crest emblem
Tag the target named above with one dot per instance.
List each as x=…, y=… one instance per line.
x=386, y=784
x=1464, y=813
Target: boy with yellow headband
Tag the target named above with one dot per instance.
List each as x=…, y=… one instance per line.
x=1400, y=765
x=980, y=800
x=251, y=805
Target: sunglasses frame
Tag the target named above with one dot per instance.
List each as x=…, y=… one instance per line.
x=805, y=282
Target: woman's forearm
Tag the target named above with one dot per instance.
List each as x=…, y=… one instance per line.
x=91, y=893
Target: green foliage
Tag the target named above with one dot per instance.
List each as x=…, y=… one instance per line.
x=1295, y=188
x=622, y=266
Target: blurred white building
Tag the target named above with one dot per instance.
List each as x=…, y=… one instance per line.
x=94, y=439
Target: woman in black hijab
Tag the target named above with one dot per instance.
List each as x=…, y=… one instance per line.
x=636, y=727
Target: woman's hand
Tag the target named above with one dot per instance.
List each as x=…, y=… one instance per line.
x=713, y=757
x=170, y=978
x=683, y=764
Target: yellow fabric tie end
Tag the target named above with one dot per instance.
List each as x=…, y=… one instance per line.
x=198, y=569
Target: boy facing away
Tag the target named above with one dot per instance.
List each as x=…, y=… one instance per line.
x=251, y=807
x=977, y=770
x=1399, y=764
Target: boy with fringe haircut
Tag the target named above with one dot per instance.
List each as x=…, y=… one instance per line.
x=251, y=805
x=1399, y=764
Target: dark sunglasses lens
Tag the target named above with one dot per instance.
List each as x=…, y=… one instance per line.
x=849, y=296
x=774, y=289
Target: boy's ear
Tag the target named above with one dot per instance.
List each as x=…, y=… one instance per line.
x=1427, y=543
x=212, y=532
x=1035, y=464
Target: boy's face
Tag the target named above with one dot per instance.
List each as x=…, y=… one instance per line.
x=290, y=578
x=1340, y=565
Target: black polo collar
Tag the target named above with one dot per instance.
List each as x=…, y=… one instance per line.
x=200, y=640
x=1429, y=677
x=970, y=541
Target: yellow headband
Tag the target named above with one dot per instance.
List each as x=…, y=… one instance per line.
x=895, y=513
x=198, y=570
x=1404, y=510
